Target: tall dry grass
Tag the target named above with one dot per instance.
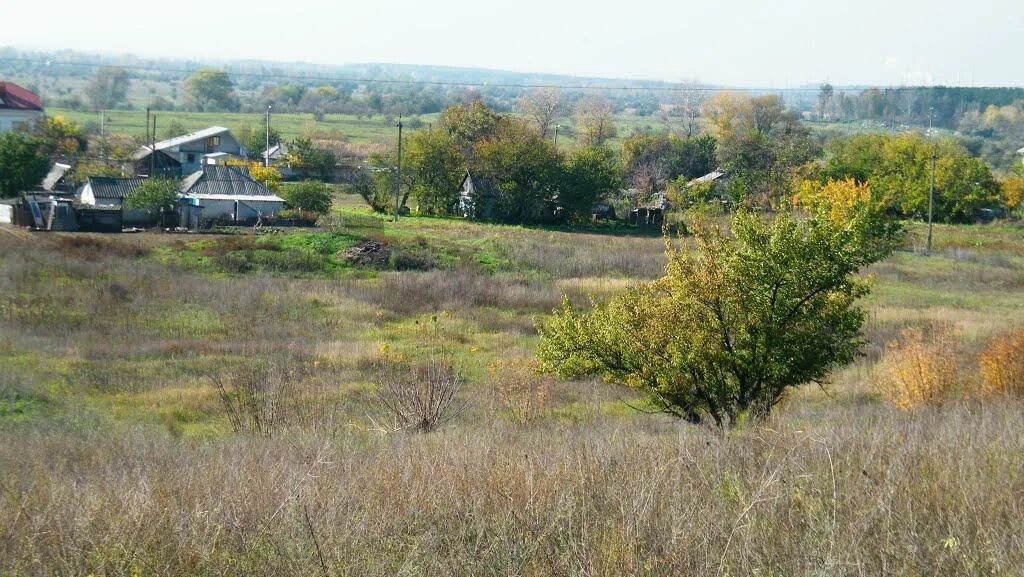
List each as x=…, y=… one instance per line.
x=864, y=491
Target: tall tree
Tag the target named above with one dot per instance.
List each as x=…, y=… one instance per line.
x=595, y=121
x=210, y=89
x=108, y=87
x=23, y=163
x=824, y=101
x=542, y=106
x=590, y=176
x=435, y=168
x=524, y=168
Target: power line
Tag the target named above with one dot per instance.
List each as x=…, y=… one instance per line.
x=410, y=82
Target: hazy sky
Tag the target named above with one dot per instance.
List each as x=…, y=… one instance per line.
x=735, y=42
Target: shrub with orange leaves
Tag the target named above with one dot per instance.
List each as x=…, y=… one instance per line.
x=520, y=389
x=917, y=370
x=1001, y=364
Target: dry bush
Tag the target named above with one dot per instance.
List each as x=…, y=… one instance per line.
x=917, y=370
x=1001, y=364
x=521, y=390
x=419, y=398
x=275, y=393
x=89, y=247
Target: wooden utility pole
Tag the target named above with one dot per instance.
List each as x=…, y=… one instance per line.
x=398, y=181
x=266, y=151
x=931, y=188
x=152, y=151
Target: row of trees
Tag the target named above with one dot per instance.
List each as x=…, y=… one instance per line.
x=528, y=179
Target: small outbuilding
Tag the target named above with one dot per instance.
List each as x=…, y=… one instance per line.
x=110, y=193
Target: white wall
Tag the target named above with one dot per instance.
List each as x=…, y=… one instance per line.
x=9, y=119
x=246, y=209
x=6, y=214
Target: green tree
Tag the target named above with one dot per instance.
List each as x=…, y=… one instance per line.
x=526, y=171
x=211, y=90
x=898, y=169
x=470, y=124
x=733, y=325
x=61, y=137
x=375, y=188
x=590, y=176
x=108, y=87
x=23, y=163
x=309, y=195
x=304, y=155
x=157, y=195
x=435, y=170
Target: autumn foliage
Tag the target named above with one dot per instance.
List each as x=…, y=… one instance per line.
x=1001, y=364
x=918, y=370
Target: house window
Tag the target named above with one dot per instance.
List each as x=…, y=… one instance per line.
x=212, y=142
x=191, y=158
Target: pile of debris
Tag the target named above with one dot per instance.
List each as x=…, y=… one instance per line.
x=368, y=253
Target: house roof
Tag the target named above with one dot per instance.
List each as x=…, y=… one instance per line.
x=106, y=187
x=183, y=139
x=709, y=177
x=56, y=173
x=482, y=185
x=279, y=150
x=14, y=97
x=1021, y=151
x=222, y=180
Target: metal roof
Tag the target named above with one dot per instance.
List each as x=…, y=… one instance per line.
x=14, y=97
x=105, y=187
x=219, y=179
x=709, y=177
x=56, y=173
x=190, y=137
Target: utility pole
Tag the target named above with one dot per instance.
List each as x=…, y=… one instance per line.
x=398, y=183
x=103, y=136
x=152, y=151
x=266, y=151
x=148, y=140
x=931, y=188
x=555, y=140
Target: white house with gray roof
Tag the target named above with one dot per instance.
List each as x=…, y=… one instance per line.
x=229, y=192
x=193, y=150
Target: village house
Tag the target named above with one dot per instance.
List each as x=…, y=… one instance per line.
x=20, y=108
x=477, y=197
x=108, y=193
x=229, y=193
x=191, y=151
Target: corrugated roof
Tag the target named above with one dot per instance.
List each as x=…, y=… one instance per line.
x=56, y=173
x=709, y=177
x=106, y=187
x=191, y=137
x=14, y=97
x=218, y=179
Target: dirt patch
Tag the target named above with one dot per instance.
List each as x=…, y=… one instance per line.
x=368, y=253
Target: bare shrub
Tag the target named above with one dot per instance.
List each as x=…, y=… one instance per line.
x=917, y=370
x=1001, y=363
x=421, y=397
x=280, y=393
x=521, y=390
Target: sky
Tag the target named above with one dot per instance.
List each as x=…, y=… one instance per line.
x=779, y=43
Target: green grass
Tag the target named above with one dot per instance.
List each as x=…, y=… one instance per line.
x=119, y=455
x=339, y=126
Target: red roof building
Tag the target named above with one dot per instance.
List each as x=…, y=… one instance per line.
x=19, y=107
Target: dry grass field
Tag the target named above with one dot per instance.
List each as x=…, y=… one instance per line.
x=118, y=454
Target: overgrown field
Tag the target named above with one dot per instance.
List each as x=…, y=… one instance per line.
x=119, y=456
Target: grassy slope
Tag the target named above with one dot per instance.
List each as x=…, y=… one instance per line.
x=118, y=457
